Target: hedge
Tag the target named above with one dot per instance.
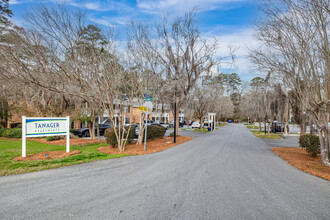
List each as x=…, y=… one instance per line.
x=311, y=143
x=154, y=131
x=110, y=135
x=53, y=138
x=11, y=132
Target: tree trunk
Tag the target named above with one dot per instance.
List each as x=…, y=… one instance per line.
x=302, y=128
x=259, y=125
x=286, y=116
x=311, y=129
x=254, y=123
x=177, y=120
x=324, y=146
x=91, y=130
x=141, y=129
x=201, y=123
x=286, y=125
x=268, y=129
x=98, y=130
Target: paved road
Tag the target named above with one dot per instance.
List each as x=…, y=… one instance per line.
x=288, y=141
x=227, y=174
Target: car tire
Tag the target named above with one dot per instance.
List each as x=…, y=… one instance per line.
x=86, y=134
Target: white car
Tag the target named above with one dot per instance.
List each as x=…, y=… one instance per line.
x=196, y=125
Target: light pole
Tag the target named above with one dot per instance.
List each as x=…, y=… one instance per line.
x=175, y=79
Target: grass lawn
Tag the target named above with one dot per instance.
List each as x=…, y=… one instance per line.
x=199, y=130
x=251, y=127
x=261, y=134
x=9, y=149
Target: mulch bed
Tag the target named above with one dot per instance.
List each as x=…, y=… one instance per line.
x=152, y=146
x=298, y=158
x=51, y=155
x=73, y=141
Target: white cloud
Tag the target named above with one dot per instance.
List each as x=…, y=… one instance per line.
x=179, y=6
x=103, y=21
x=244, y=40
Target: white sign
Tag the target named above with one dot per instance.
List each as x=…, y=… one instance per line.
x=40, y=127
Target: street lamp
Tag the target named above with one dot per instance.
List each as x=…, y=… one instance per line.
x=175, y=79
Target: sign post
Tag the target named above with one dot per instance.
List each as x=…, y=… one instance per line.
x=23, y=136
x=40, y=127
x=68, y=134
x=145, y=134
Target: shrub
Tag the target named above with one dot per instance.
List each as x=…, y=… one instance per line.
x=2, y=130
x=310, y=143
x=154, y=131
x=110, y=135
x=54, y=138
x=12, y=133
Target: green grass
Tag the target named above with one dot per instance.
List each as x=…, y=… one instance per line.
x=9, y=149
x=199, y=130
x=261, y=134
x=251, y=127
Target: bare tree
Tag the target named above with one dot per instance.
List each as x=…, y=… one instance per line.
x=296, y=47
x=177, y=51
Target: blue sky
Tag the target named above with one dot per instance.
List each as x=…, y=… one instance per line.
x=230, y=21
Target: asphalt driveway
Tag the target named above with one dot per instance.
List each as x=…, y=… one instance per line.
x=227, y=174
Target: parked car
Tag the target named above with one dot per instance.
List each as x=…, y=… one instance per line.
x=229, y=121
x=181, y=124
x=276, y=127
x=164, y=125
x=84, y=132
x=196, y=124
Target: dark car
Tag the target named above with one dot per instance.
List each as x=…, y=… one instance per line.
x=84, y=132
x=181, y=124
x=276, y=127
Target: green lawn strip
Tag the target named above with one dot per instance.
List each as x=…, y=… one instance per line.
x=251, y=127
x=199, y=130
x=261, y=134
x=9, y=149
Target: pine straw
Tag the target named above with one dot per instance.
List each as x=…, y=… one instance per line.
x=152, y=146
x=51, y=155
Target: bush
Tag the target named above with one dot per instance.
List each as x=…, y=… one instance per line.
x=110, y=135
x=154, y=131
x=310, y=143
x=2, y=130
x=61, y=137
x=54, y=138
x=12, y=133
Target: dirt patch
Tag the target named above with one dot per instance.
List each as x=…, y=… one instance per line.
x=73, y=141
x=51, y=155
x=152, y=146
x=298, y=158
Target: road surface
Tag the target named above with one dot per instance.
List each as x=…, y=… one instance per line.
x=227, y=174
